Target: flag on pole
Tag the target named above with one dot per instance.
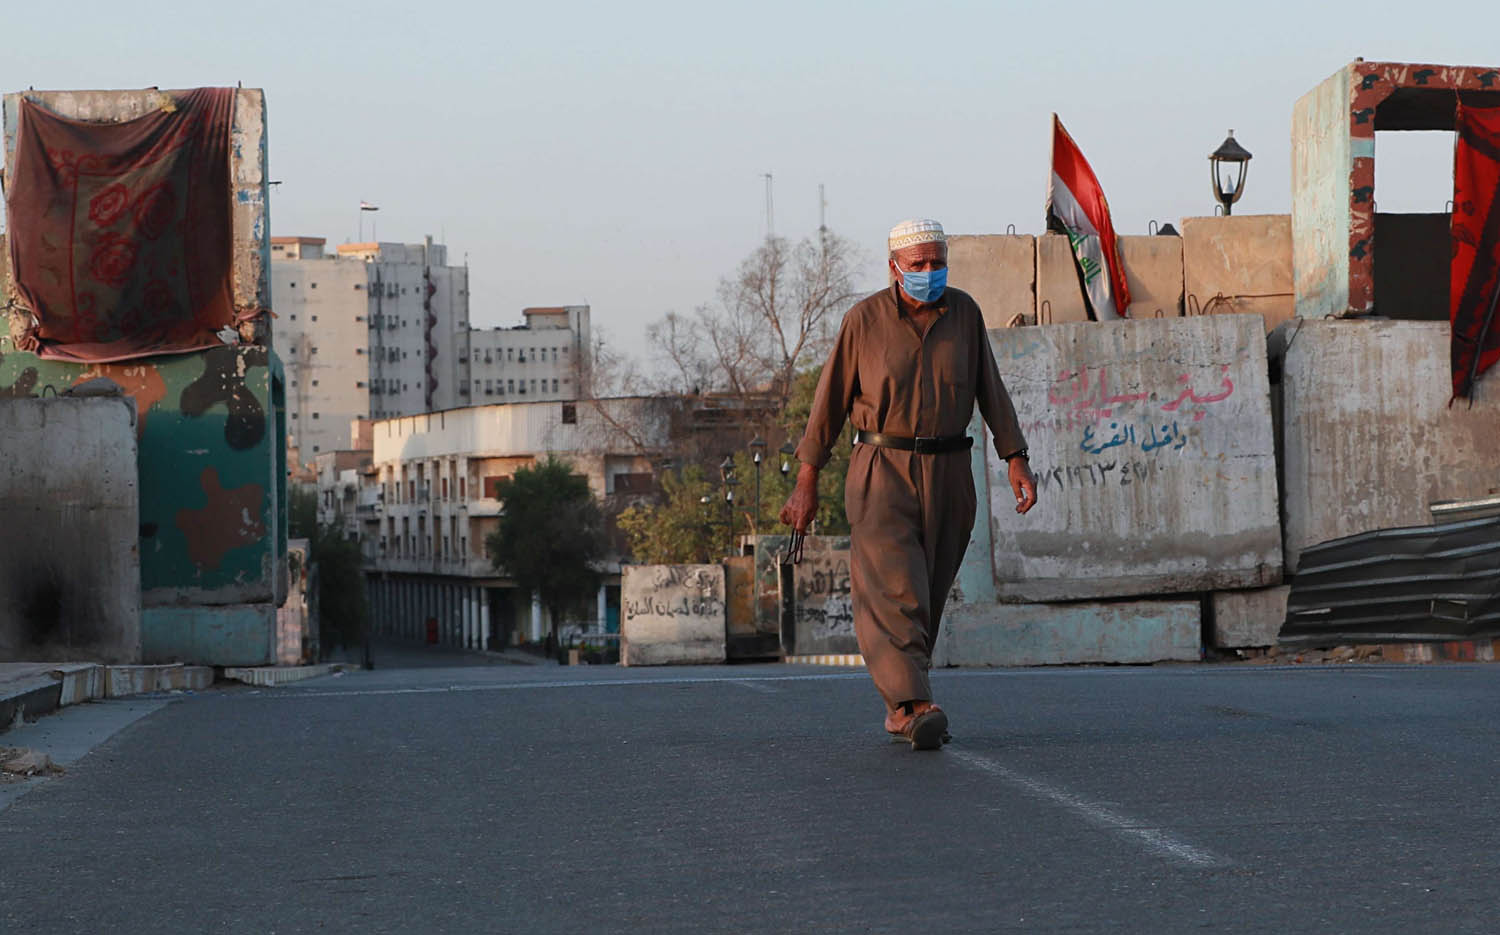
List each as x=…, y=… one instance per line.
x=1076, y=202
x=366, y=206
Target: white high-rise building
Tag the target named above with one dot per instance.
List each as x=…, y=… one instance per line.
x=375, y=330
x=381, y=330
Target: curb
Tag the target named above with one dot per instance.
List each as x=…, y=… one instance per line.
x=827, y=659
x=271, y=676
x=72, y=683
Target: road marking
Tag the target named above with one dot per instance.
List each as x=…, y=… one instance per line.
x=521, y=686
x=755, y=686
x=1155, y=840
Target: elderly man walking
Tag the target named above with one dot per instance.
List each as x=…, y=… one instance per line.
x=909, y=364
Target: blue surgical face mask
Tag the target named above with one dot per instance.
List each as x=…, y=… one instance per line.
x=924, y=287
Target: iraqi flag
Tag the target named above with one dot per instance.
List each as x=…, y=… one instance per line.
x=1076, y=203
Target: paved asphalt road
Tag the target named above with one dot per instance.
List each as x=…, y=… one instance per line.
x=503, y=798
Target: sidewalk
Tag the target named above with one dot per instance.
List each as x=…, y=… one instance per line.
x=29, y=690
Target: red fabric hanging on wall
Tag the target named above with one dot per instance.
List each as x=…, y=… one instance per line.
x=121, y=234
x=1475, y=269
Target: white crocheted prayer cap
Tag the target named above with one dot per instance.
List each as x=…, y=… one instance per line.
x=915, y=231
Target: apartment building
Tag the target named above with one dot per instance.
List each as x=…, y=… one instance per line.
x=371, y=330
x=429, y=501
x=548, y=357
x=381, y=330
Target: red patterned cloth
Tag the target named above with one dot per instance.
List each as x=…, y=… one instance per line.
x=121, y=234
x=1475, y=270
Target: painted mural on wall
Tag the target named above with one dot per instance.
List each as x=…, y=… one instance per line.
x=206, y=465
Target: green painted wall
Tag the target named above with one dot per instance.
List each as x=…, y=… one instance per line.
x=212, y=471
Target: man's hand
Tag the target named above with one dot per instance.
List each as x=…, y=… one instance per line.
x=802, y=505
x=1022, y=483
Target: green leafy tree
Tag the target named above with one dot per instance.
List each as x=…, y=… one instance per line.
x=551, y=538
x=343, y=608
x=302, y=511
x=831, y=518
x=681, y=529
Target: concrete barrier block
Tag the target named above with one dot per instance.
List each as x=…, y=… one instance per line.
x=672, y=615
x=1244, y=619
x=1063, y=634
x=1059, y=297
x=1367, y=436
x=1153, y=270
x=999, y=271
x=1152, y=445
x=1246, y=259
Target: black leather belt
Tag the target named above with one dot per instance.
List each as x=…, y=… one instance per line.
x=922, y=444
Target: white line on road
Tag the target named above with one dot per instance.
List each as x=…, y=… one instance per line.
x=521, y=686
x=1154, y=840
x=758, y=686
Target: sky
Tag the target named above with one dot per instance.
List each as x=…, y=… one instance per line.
x=615, y=154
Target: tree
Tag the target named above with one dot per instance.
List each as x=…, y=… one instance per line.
x=681, y=529
x=551, y=538
x=302, y=511
x=777, y=313
x=343, y=608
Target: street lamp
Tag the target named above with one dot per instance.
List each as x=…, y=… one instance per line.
x=1229, y=154
x=757, y=454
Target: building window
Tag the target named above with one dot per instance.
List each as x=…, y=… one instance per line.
x=315, y=318
x=359, y=384
x=570, y=414
x=461, y=494
x=554, y=384
x=510, y=385
x=314, y=350
x=292, y=317
x=315, y=415
x=314, y=285
x=358, y=286
x=445, y=488
x=315, y=383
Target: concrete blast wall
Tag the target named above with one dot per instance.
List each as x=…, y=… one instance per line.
x=70, y=572
x=1220, y=265
x=1152, y=445
x=672, y=615
x=824, y=609
x=1368, y=438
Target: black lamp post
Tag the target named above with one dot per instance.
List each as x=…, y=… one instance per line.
x=1231, y=156
x=757, y=455
x=786, y=458
x=726, y=474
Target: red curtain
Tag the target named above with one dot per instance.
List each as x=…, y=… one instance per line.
x=1475, y=270
x=121, y=235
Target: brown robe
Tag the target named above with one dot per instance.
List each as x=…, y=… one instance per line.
x=911, y=514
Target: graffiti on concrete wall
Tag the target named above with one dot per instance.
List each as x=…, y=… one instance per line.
x=1152, y=449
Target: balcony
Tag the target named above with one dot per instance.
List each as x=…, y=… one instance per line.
x=487, y=506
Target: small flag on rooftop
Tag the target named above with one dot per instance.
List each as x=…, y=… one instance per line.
x=1075, y=202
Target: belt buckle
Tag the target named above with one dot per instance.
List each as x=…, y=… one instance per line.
x=923, y=444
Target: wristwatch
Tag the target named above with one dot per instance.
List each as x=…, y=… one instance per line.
x=1023, y=453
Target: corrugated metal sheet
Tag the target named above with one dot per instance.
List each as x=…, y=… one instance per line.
x=1439, y=582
